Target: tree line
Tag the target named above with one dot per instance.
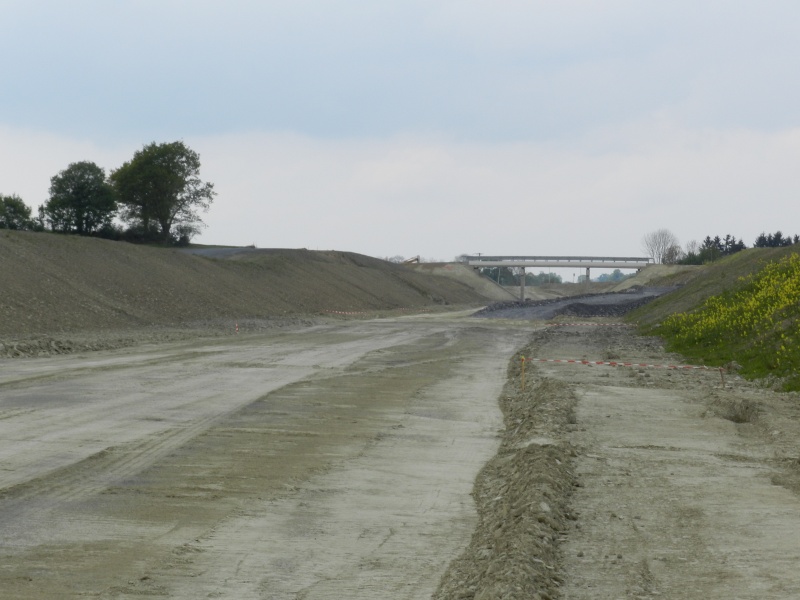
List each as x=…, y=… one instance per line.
x=512, y=276
x=664, y=247
x=157, y=196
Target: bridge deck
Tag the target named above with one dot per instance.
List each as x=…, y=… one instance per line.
x=601, y=262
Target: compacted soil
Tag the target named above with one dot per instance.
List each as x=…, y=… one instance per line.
x=634, y=482
x=334, y=461
x=403, y=457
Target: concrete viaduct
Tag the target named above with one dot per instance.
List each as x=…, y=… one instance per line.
x=587, y=262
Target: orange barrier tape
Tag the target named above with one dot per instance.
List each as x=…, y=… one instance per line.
x=589, y=325
x=620, y=364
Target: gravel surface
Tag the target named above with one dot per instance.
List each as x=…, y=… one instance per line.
x=587, y=305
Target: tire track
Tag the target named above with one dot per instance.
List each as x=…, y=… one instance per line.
x=96, y=473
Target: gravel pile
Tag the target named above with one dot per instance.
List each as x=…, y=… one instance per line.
x=613, y=304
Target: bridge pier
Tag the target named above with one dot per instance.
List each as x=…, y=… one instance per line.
x=522, y=286
x=588, y=279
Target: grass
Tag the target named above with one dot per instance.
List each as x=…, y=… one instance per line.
x=744, y=308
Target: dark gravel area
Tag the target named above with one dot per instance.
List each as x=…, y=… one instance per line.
x=613, y=304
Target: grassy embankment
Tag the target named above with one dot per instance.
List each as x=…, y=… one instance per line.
x=745, y=308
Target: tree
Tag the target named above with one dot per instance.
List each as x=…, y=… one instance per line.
x=774, y=240
x=616, y=275
x=502, y=275
x=661, y=245
x=711, y=249
x=673, y=255
x=14, y=213
x=161, y=192
x=81, y=200
x=542, y=278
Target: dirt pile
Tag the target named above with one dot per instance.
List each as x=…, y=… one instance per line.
x=466, y=274
x=523, y=500
x=660, y=275
x=55, y=284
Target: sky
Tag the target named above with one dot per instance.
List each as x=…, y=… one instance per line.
x=431, y=128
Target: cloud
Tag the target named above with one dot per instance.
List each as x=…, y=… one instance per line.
x=439, y=197
x=468, y=69
x=414, y=127
x=29, y=158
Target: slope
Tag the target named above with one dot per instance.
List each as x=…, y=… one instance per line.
x=704, y=282
x=54, y=284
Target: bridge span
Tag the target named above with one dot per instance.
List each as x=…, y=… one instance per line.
x=587, y=262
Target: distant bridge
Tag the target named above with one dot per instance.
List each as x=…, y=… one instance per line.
x=587, y=262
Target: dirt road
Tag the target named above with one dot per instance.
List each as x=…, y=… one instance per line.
x=332, y=462
x=688, y=482
x=619, y=482
x=340, y=461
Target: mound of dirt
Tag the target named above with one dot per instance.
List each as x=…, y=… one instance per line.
x=56, y=284
x=466, y=274
x=522, y=496
x=659, y=275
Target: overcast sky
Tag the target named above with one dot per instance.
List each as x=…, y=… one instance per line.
x=435, y=127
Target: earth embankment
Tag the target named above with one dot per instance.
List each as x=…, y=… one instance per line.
x=56, y=284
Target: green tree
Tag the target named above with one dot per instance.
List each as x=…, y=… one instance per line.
x=161, y=192
x=774, y=240
x=81, y=200
x=711, y=249
x=542, y=278
x=502, y=275
x=14, y=213
x=614, y=276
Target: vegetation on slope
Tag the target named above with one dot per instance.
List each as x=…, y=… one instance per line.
x=702, y=282
x=734, y=315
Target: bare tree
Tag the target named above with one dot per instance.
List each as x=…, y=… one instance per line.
x=661, y=245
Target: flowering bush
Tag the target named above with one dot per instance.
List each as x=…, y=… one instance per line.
x=756, y=323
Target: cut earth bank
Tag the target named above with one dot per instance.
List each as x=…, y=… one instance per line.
x=61, y=294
